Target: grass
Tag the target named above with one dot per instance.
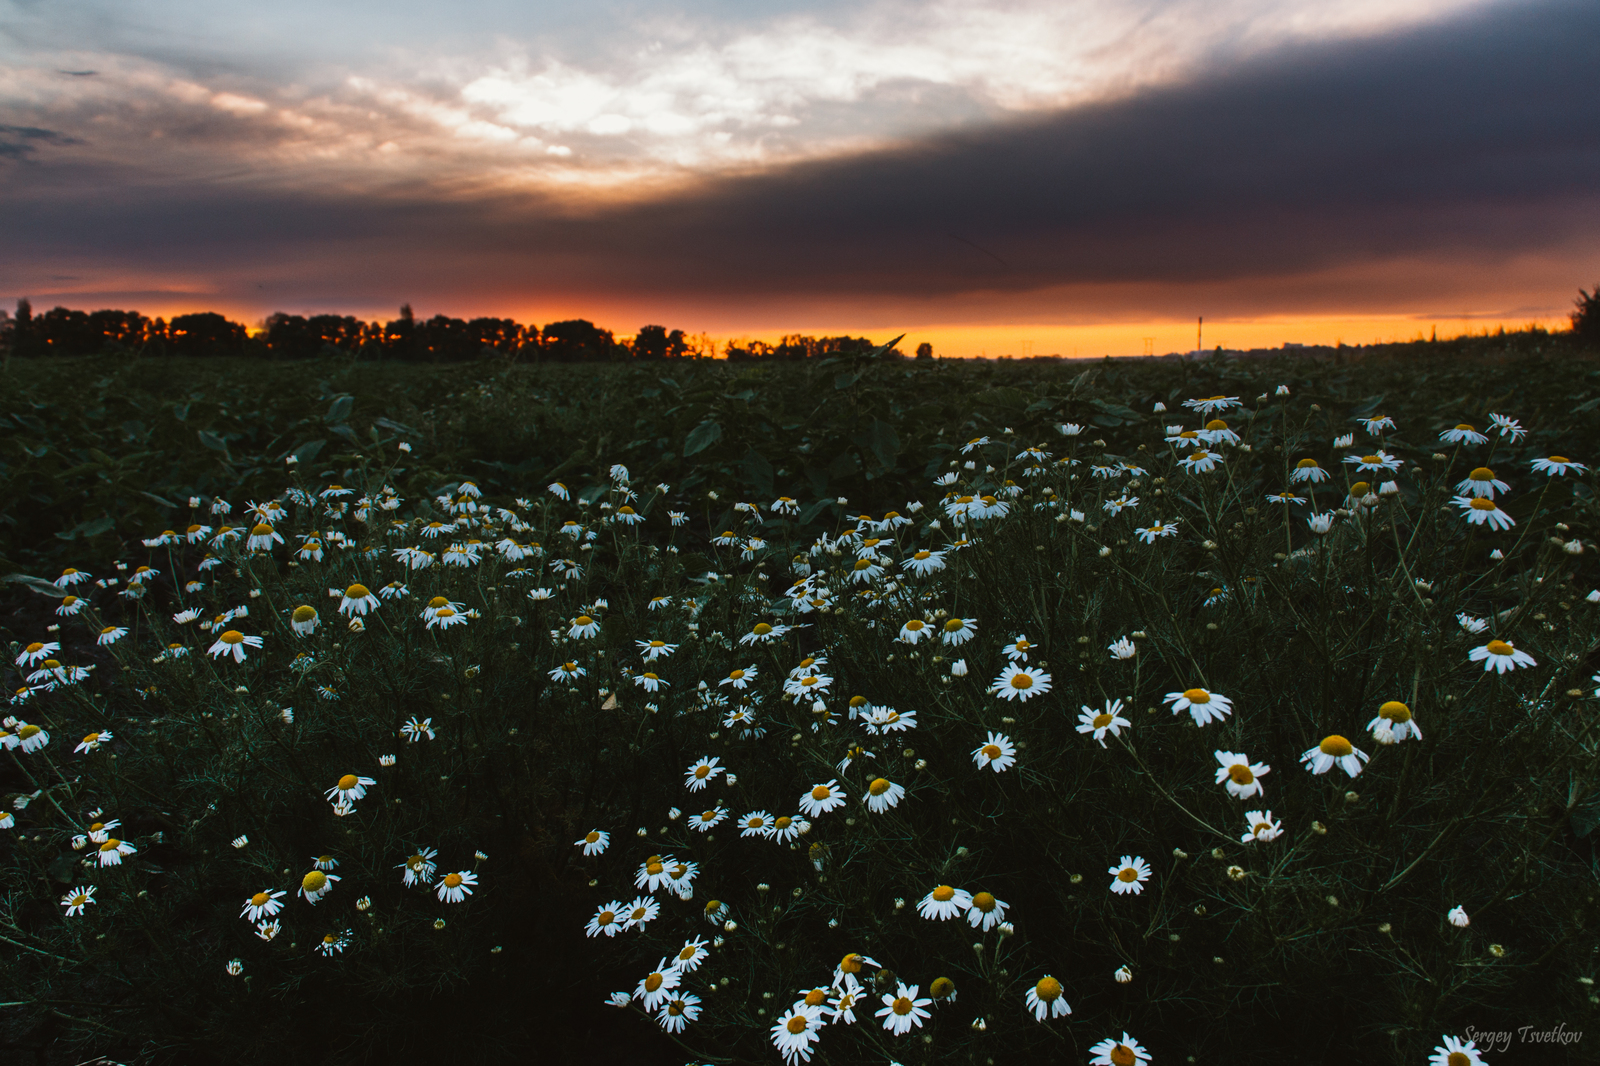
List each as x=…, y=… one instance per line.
x=1230, y=945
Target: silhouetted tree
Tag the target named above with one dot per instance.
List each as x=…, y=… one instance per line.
x=654, y=342
x=1585, y=316
x=924, y=350
x=205, y=333
x=577, y=341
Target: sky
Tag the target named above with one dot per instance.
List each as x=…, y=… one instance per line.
x=1074, y=177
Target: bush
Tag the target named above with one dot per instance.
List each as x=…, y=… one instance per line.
x=1586, y=315
x=477, y=691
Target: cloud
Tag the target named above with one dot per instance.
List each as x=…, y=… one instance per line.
x=1450, y=166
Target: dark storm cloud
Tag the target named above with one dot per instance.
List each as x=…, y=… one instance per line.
x=1475, y=141
x=16, y=142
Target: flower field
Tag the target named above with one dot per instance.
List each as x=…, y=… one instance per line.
x=864, y=712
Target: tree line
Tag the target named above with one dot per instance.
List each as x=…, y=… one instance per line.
x=64, y=331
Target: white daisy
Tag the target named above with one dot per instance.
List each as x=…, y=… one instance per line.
x=1334, y=749
x=1260, y=826
x=654, y=988
x=903, y=1010
x=1393, y=724
x=944, y=902
x=986, y=912
x=1020, y=683
x=996, y=753
x=608, y=919
x=1129, y=875
x=349, y=789
x=795, y=1032
x=1203, y=706
x=1238, y=775
x=232, y=642
x=1099, y=723
x=594, y=842
x=1046, y=999
x=883, y=794
x=822, y=799
x=1480, y=510
x=262, y=905
x=1500, y=656
x=1458, y=917
x=419, y=868
x=702, y=773
x=79, y=898
x=1556, y=466
x=1455, y=1052
x=1124, y=1052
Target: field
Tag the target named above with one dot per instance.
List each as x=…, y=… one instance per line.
x=848, y=710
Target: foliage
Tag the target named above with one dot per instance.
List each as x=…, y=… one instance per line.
x=1342, y=917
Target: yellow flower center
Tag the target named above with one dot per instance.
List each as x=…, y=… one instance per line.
x=1559, y=459
x=1048, y=989
x=445, y=612
x=1395, y=711
x=1482, y=473
x=259, y=899
x=702, y=772
x=758, y=822
x=921, y=555
x=1480, y=504
x=850, y=963
x=651, y=677
x=1241, y=774
x=687, y=953
x=261, y=529
x=1122, y=1055
x=988, y=501
x=879, y=787
x=1216, y=424
x=583, y=620
x=990, y=751
x=815, y=997
x=347, y=782
x=625, y=509
x=315, y=881
x=605, y=918
x=1371, y=459
x=984, y=902
x=735, y=675
x=1359, y=489
x=1336, y=746
x=1127, y=875
x=29, y=731
x=356, y=592
x=111, y=844
x=797, y=1024
x=1021, y=681
x=954, y=625
x=653, y=982
x=944, y=893
x=915, y=625
x=232, y=636
x=1197, y=695
x=862, y=564
x=902, y=1006
x=1499, y=647
x=761, y=629
x=821, y=792
x=452, y=880
x=304, y=613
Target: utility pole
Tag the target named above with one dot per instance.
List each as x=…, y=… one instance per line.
x=1199, y=349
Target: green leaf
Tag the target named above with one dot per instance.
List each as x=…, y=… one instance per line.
x=759, y=472
x=308, y=451
x=1585, y=817
x=37, y=584
x=844, y=381
x=212, y=441
x=702, y=437
x=389, y=423
x=157, y=499
x=1583, y=409
x=343, y=430
x=883, y=442
x=339, y=410
x=1012, y=399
